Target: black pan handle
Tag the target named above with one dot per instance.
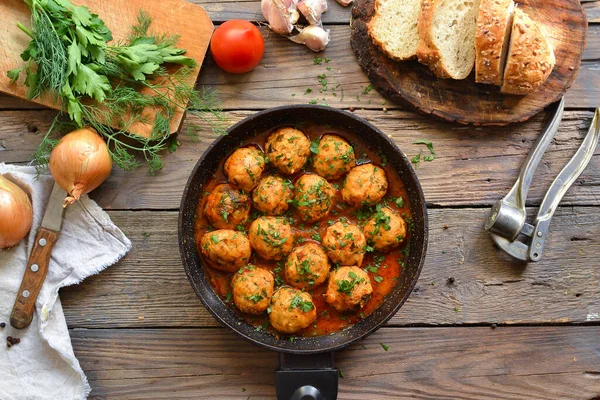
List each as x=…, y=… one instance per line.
x=306, y=377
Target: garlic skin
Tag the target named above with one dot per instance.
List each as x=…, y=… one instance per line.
x=312, y=10
x=345, y=3
x=280, y=14
x=314, y=37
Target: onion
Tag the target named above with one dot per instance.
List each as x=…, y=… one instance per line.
x=80, y=162
x=16, y=213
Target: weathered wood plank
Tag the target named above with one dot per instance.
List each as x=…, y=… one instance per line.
x=148, y=288
x=592, y=9
x=287, y=71
x=474, y=166
x=505, y=363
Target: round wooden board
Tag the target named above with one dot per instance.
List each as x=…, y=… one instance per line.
x=465, y=101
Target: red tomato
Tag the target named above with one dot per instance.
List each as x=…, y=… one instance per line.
x=237, y=46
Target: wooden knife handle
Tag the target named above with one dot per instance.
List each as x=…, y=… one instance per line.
x=34, y=277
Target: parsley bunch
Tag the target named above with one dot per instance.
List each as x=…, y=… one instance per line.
x=69, y=57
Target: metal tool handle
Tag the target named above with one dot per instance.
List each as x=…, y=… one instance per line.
x=561, y=184
x=518, y=193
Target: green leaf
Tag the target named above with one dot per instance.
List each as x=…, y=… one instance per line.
x=91, y=83
x=314, y=146
x=81, y=15
x=74, y=58
x=73, y=105
x=429, y=157
x=416, y=159
x=187, y=61
x=13, y=74
x=426, y=143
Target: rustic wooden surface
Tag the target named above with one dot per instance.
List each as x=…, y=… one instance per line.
x=171, y=17
x=411, y=83
x=140, y=332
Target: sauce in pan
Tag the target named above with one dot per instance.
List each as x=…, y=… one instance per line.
x=383, y=268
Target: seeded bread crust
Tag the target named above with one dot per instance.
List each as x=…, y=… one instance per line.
x=427, y=52
x=492, y=40
x=376, y=28
x=530, y=56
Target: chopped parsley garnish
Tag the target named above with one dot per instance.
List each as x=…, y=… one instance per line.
x=317, y=61
x=384, y=346
x=323, y=81
x=303, y=305
x=214, y=239
x=346, y=286
x=308, y=90
x=314, y=146
x=228, y=297
x=255, y=298
x=416, y=159
x=367, y=90
x=378, y=278
x=327, y=59
x=316, y=236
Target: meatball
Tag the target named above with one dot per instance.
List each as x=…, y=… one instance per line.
x=227, y=207
x=314, y=197
x=225, y=249
x=364, y=185
x=345, y=243
x=291, y=310
x=307, y=266
x=271, y=237
x=272, y=195
x=334, y=158
x=349, y=288
x=252, y=289
x=386, y=229
x=244, y=167
x=288, y=149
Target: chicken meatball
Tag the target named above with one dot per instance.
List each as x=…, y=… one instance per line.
x=227, y=207
x=288, y=149
x=349, y=288
x=252, y=288
x=364, y=185
x=272, y=195
x=345, y=243
x=307, y=266
x=225, y=249
x=271, y=237
x=334, y=158
x=244, y=167
x=314, y=197
x=291, y=310
x=385, y=230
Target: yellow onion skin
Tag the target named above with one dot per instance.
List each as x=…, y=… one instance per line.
x=80, y=162
x=16, y=213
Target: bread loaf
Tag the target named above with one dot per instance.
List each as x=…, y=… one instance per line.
x=393, y=28
x=492, y=37
x=530, y=57
x=447, y=33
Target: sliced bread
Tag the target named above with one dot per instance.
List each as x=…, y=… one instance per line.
x=530, y=56
x=393, y=28
x=447, y=32
x=492, y=38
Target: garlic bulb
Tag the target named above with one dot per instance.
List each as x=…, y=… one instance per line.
x=314, y=37
x=280, y=14
x=345, y=2
x=312, y=10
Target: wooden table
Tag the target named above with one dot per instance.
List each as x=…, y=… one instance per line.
x=497, y=329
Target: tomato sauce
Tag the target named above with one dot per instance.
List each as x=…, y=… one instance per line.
x=383, y=268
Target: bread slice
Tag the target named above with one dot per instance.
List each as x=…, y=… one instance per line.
x=393, y=28
x=492, y=37
x=447, y=32
x=530, y=56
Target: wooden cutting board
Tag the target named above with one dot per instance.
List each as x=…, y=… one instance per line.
x=171, y=17
x=464, y=101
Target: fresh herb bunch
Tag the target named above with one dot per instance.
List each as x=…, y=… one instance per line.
x=70, y=58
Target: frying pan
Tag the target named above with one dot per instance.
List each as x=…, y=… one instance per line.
x=306, y=365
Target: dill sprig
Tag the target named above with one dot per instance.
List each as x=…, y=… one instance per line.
x=69, y=56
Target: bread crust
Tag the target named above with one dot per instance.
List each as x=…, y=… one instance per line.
x=379, y=43
x=490, y=37
x=531, y=57
x=427, y=52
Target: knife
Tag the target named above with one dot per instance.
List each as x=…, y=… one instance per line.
x=39, y=259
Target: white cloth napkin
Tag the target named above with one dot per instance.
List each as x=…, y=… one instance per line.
x=43, y=365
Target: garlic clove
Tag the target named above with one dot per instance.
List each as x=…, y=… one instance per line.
x=314, y=37
x=345, y=3
x=280, y=14
x=312, y=10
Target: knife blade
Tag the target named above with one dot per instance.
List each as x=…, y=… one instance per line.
x=39, y=259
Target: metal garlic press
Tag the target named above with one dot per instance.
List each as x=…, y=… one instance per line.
x=507, y=219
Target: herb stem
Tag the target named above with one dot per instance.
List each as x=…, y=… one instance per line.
x=25, y=29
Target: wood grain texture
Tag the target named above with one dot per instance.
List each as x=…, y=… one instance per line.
x=149, y=288
x=171, y=17
x=287, y=70
x=464, y=101
x=443, y=363
x=474, y=166
x=32, y=282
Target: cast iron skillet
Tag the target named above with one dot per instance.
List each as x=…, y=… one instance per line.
x=301, y=376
